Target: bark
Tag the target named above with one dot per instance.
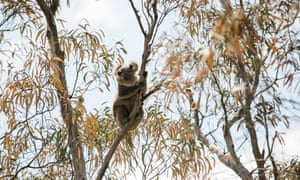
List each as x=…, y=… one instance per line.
x=250, y=124
x=66, y=109
x=259, y=157
x=249, y=97
x=227, y=158
x=230, y=158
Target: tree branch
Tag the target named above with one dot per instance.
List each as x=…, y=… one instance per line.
x=117, y=141
x=148, y=36
x=111, y=151
x=229, y=159
x=136, y=13
x=152, y=91
x=269, y=147
x=62, y=90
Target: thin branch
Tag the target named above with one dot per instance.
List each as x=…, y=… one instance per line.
x=76, y=80
x=154, y=20
x=147, y=14
x=230, y=159
x=24, y=121
x=8, y=17
x=114, y=146
x=148, y=8
x=269, y=147
x=152, y=91
x=236, y=117
x=161, y=19
x=148, y=167
x=111, y=151
x=28, y=165
x=136, y=13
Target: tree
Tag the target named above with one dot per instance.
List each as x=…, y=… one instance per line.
x=213, y=90
x=35, y=91
x=246, y=52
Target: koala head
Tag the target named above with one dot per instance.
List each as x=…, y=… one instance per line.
x=126, y=75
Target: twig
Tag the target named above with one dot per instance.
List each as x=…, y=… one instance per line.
x=136, y=12
x=152, y=91
x=29, y=163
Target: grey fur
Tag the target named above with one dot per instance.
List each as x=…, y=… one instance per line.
x=128, y=88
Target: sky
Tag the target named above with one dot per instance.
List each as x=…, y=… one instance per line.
x=116, y=19
x=113, y=17
x=118, y=22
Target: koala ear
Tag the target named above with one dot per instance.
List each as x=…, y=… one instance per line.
x=133, y=66
x=116, y=70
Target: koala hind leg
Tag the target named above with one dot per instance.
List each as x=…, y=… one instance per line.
x=137, y=119
x=121, y=114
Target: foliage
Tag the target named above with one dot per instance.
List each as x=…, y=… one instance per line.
x=36, y=141
x=217, y=84
x=289, y=170
x=228, y=70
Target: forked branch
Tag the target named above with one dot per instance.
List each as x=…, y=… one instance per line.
x=149, y=33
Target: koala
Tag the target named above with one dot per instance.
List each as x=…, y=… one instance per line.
x=128, y=87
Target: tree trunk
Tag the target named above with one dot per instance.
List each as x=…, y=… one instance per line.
x=66, y=109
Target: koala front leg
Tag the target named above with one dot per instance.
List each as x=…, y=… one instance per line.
x=128, y=92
